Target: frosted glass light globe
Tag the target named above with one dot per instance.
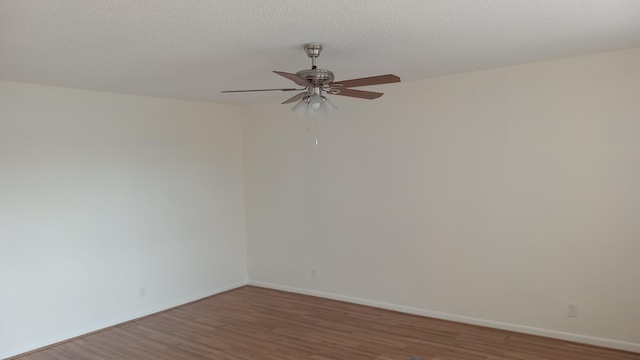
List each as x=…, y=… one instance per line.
x=316, y=102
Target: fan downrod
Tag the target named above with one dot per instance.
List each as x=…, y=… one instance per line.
x=317, y=77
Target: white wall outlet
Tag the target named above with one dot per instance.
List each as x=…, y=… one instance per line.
x=143, y=291
x=572, y=310
x=313, y=274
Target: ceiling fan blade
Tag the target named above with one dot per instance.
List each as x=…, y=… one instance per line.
x=373, y=80
x=296, y=97
x=239, y=91
x=293, y=77
x=369, y=95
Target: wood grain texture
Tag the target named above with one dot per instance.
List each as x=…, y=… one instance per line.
x=255, y=323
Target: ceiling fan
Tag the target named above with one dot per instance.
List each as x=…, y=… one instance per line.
x=314, y=82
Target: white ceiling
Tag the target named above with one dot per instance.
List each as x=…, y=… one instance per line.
x=193, y=49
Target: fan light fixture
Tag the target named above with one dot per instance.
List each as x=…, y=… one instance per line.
x=314, y=105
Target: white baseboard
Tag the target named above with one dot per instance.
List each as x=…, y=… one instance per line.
x=87, y=330
x=614, y=344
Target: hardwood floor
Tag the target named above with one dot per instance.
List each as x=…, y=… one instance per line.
x=255, y=323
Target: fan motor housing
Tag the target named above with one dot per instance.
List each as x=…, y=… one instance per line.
x=318, y=77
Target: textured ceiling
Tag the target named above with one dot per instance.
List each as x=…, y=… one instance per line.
x=193, y=49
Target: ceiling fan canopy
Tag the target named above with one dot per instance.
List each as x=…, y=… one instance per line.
x=315, y=82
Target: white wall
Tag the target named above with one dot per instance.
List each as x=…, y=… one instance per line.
x=102, y=194
x=494, y=197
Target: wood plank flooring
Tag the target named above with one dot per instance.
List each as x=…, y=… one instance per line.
x=254, y=323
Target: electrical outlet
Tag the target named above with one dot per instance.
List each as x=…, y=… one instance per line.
x=143, y=291
x=313, y=274
x=572, y=310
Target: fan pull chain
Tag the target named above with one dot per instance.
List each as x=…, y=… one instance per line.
x=315, y=127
